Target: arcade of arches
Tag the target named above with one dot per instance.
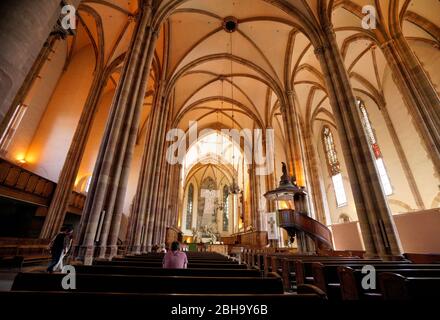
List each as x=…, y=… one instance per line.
x=88, y=119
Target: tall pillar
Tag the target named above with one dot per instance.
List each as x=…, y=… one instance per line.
x=25, y=26
x=149, y=180
x=157, y=171
x=318, y=195
x=293, y=136
x=110, y=175
x=375, y=218
x=138, y=213
x=418, y=93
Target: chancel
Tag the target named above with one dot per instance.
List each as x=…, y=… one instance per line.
x=284, y=144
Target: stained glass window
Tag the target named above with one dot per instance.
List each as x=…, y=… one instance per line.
x=189, y=207
x=334, y=166
x=225, y=208
x=330, y=151
x=375, y=148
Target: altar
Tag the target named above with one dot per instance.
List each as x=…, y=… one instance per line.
x=218, y=248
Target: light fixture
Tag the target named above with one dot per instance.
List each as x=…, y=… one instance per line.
x=230, y=25
x=21, y=160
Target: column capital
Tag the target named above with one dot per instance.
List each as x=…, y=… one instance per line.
x=328, y=29
x=155, y=33
x=319, y=51
x=386, y=44
x=132, y=18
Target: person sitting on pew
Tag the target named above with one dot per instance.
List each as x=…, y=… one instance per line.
x=59, y=247
x=175, y=259
x=162, y=248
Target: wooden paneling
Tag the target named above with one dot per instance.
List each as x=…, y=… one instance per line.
x=254, y=239
x=76, y=202
x=22, y=185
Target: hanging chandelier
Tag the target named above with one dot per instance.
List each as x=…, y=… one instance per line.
x=234, y=188
x=230, y=26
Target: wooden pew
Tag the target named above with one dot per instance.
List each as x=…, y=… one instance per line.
x=295, y=270
x=103, y=269
x=161, y=304
x=159, y=259
x=326, y=276
x=304, y=272
x=195, y=255
x=423, y=257
x=150, y=284
x=397, y=287
x=351, y=279
x=158, y=264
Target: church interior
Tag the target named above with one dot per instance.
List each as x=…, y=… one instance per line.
x=285, y=144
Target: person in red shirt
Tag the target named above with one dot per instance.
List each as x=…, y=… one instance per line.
x=175, y=259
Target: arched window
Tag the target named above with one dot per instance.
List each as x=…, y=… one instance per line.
x=88, y=183
x=375, y=147
x=225, y=208
x=333, y=166
x=189, y=207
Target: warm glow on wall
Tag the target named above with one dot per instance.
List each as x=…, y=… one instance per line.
x=21, y=159
x=29, y=158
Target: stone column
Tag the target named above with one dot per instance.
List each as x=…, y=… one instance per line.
x=293, y=137
x=317, y=191
x=418, y=93
x=375, y=218
x=121, y=187
x=149, y=179
x=110, y=174
x=255, y=197
x=157, y=170
x=137, y=213
x=161, y=208
x=25, y=26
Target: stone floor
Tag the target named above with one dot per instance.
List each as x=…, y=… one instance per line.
x=7, y=276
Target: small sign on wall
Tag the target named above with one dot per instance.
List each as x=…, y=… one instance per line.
x=272, y=226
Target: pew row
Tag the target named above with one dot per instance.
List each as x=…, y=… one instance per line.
x=393, y=286
x=197, y=272
x=150, y=284
x=158, y=264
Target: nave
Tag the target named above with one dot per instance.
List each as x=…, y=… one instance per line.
x=266, y=281
x=291, y=146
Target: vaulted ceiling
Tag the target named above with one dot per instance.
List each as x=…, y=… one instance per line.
x=223, y=79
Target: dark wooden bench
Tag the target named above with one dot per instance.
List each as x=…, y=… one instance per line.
x=160, y=304
x=351, y=279
x=159, y=259
x=150, y=284
x=299, y=271
x=326, y=275
x=397, y=287
x=423, y=257
x=18, y=262
x=304, y=269
x=188, y=254
x=102, y=269
x=158, y=264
